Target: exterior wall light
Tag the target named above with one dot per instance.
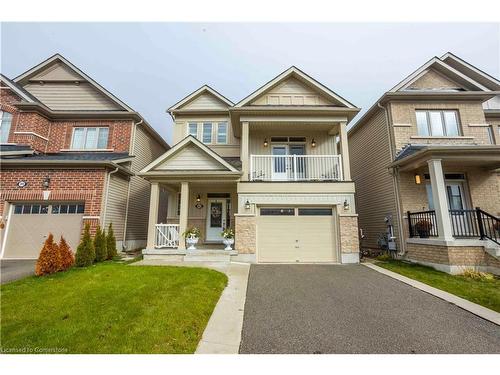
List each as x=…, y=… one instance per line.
x=313, y=143
x=198, y=198
x=265, y=142
x=247, y=205
x=46, y=182
x=418, y=181
x=346, y=205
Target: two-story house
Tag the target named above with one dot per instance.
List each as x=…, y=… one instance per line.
x=425, y=159
x=274, y=166
x=69, y=154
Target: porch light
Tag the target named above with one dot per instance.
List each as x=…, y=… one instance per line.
x=265, y=142
x=313, y=143
x=198, y=198
x=247, y=205
x=46, y=182
x=346, y=205
x=418, y=181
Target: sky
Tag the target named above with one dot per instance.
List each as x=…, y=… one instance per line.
x=151, y=66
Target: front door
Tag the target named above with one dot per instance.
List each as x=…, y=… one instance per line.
x=280, y=162
x=216, y=219
x=299, y=164
x=456, y=202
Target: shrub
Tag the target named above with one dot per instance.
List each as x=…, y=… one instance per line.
x=101, y=254
x=66, y=255
x=85, y=252
x=384, y=257
x=476, y=275
x=49, y=260
x=111, y=242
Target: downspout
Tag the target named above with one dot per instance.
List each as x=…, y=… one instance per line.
x=396, y=183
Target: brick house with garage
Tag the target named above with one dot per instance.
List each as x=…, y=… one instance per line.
x=69, y=153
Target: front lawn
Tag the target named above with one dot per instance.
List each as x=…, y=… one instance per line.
x=482, y=292
x=110, y=308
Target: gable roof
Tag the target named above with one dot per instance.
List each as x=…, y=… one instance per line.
x=18, y=89
x=480, y=76
x=59, y=58
x=197, y=93
x=295, y=72
x=189, y=140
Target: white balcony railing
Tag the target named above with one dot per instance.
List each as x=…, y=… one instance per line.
x=295, y=168
x=166, y=235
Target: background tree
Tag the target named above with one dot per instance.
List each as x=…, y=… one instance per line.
x=101, y=252
x=111, y=242
x=49, y=260
x=66, y=255
x=85, y=252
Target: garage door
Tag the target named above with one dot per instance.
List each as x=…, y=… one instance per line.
x=296, y=234
x=30, y=223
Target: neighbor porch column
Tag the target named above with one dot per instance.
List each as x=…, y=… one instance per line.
x=153, y=214
x=344, y=149
x=440, y=200
x=183, y=215
x=245, y=157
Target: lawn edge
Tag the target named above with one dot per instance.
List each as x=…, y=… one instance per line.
x=474, y=308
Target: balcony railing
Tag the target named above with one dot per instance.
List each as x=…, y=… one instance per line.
x=166, y=235
x=296, y=168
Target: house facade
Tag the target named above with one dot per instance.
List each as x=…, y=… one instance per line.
x=70, y=154
x=429, y=187
x=274, y=167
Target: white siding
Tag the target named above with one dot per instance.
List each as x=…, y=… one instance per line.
x=205, y=101
x=191, y=158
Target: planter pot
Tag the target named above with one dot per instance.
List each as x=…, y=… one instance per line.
x=423, y=233
x=228, y=242
x=191, y=241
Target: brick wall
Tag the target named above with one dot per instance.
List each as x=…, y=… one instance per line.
x=349, y=238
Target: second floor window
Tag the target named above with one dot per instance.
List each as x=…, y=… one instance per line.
x=5, y=121
x=90, y=138
x=207, y=132
x=437, y=123
x=222, y=132
x=193, y=129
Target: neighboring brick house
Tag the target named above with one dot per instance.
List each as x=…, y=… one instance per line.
x=70, y=151
x=434, y=142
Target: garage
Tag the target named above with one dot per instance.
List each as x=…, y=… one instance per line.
x=30, y=223
x=296, y=234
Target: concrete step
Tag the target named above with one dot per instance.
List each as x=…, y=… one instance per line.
x=493, y=249
x=202, y=255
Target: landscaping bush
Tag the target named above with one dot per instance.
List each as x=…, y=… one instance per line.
x=101, y=254
x=66, y=255
x=384, y=257
x=111, y=242
x=477, y=275
x=85, y=252
x=49, y=260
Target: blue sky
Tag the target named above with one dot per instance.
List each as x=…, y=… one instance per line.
x=151, y=66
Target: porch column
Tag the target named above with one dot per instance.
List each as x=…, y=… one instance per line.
x=440, y=200
x=245, y=157
x=183, y=215
x=344, y=149
x=154, y=201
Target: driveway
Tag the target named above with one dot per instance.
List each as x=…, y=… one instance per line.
x=16, y=269
x=353, y=309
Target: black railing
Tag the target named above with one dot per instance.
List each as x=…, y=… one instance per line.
x=489, y=226
x=464, y=224
x=422, y=224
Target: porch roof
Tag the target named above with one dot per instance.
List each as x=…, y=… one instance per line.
x=417, y=155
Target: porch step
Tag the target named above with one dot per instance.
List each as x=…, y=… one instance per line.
x=201, y=255
x=493, y=249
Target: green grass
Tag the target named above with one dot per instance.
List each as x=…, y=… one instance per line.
x=110, y=308
x=482, y=292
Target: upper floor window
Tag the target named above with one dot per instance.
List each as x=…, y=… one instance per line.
x=207, y=132
x=90, y=138
x=222, y=132
x=5, y=121
x=437, y=123
x=491, y=137
x=193, y=129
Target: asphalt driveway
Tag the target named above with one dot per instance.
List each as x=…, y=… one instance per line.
x=16, y=269
x=353, y=309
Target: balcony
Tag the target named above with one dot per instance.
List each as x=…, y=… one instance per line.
x=300, y=168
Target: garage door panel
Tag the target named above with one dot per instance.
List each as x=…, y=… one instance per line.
x=272, y=237
x=316, y=239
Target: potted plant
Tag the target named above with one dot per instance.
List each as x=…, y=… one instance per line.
x=227, y=238
x=192, y=235
x=423, y=228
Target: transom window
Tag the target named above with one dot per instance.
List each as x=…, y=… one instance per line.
x=66, y=208
x=90, y=138
x=288, y=139
x=31, y=209
x=5, y=122
x=277, y=212
x=55, y=209
x=437, y=123
x=315, y=212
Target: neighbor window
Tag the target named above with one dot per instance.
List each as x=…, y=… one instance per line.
x=491, y=137
x=437, y=123
x=222, y=132
x=193, y=129
x=207, y=132
x=5, y=121
x=90, y=138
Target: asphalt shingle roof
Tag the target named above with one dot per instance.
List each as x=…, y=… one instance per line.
x=75, y=156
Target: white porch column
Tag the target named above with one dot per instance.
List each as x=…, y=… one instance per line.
x=344, y=149
x=184, y=212
x=245, y=157
x=154, y=201
x=440, y=200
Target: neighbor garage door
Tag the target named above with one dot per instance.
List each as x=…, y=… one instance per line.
x=296, y=234
x=30, y=223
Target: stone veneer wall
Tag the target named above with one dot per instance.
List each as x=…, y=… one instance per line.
x=349, y=239
x=245, y=234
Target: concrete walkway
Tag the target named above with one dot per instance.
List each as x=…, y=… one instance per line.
x=223, y=332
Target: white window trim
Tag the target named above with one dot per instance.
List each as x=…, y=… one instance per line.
x=10, y=126
x=443, y=122
x=197, y=128
x=217, y=133
x=71, y=148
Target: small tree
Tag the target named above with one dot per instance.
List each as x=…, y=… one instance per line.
x=49, y=260
x=111, y=242
x=66, y=255
x=85, y=252
x=101, y=253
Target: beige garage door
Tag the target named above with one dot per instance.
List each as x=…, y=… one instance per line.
x=30, y=223
x=296, y=234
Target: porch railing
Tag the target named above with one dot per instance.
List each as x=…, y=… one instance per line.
x=422, y=224
x=166, y=235
x=296, y=168
x=489, y=226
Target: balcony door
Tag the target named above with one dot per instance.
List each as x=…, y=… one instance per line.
x=283, y=166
